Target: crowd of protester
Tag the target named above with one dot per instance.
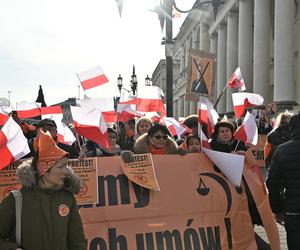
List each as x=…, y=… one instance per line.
x=146, y=136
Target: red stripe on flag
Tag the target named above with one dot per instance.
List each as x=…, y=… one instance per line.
x=109, y=116
x=6, y=156
x=93, y=133
x=239, y=110
x=51, y=110
x=124, y=116
x=148, y=105
x=22, y=114
x=3, y=119
x=240, y=134
x=94, y=82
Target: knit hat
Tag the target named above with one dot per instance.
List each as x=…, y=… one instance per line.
x=48, y=152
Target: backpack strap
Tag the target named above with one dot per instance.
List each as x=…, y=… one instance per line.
x=18, y=206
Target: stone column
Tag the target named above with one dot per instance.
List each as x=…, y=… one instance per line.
x=214, y=50
x=261, y=58
x=186, y=107
x=204, y=37
x=232, y=53
x=284, y=50
x=221, y=67
x=175, y=108
x=245, y=43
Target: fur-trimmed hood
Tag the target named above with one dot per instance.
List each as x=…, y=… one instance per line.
x=27, y=176
x=141, y=145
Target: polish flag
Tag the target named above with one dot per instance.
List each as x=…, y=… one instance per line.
x=173, y=126
x=149, y=98
x=3, y=117
x=243, y=100
x=127, y=98
x=236, y=81
x=90, y=123
x=13, y=143
x=103, y=104
x=248, y=131
x=28, y=109
x=92, y=78
x=204, y=140
x=207, y=114
x=153, y=116
x=64, y=134
x=127, y=111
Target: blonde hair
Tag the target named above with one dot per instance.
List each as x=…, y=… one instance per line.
x=283, y=118
x=143, y=119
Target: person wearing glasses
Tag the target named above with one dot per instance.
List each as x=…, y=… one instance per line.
x=156, y=141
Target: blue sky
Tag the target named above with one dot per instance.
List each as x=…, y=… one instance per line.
x=48, y=41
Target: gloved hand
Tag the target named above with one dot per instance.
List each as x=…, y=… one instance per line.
x=127, y=156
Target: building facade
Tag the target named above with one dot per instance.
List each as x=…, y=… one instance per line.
x=262, y=37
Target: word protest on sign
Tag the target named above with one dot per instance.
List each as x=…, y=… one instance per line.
x=196, y=208
x=87, y=170
x=141, y=171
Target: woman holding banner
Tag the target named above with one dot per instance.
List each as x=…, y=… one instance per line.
x=44, y=213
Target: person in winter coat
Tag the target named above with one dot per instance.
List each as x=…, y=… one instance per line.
x=279, y=135
x=126, y=135
x=223, y=141
x=50, y=217
x=283, y=183
x=156, y=141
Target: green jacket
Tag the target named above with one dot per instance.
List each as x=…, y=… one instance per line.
x=50, y=220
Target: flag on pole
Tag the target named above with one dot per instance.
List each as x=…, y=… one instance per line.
x=64, y=134
x=104, y=104
x=90, y=123
x=207, y=114
x=248, y=131
x=149, y=99
x=243, y=100
x=13, y=143
x=92, y=78
x=127, y=111
x=28, y=109
x=236, y=81
x=174, y=126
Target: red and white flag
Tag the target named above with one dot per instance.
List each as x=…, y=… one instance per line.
x=28, y=109
x=92, y=78
x=236, y=81
x=174, y=126
x=207, y=114
x=248, y=131
x=90, y=123
x=127, y=111
x=153, y=116
x=64, y=134
x=103, y=104
x=204, y=140
x=3, y=117
x=243, y=100
x=13, y=143
x=149, y=98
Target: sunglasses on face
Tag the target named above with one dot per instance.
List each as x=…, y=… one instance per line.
x=158, y=137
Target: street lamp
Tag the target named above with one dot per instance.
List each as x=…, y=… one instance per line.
x=133, y=82
x=164, y=12
x=147, y=81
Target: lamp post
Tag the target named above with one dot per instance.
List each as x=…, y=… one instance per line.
x=147, y=81
x=165, y=13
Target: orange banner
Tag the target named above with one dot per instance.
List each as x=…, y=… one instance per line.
x=141, y=171
x=258, y=150
x=196, y=208
x=86, y=169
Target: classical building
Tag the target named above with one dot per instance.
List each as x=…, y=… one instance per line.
x=262, y=37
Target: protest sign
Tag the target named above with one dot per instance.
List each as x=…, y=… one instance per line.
x=86, y=169
x=141, y=171
x=258, y=150
x=8, y=180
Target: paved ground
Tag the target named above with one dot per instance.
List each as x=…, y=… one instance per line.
x=262, y=240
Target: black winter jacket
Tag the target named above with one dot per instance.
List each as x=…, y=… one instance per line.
x=283, y=179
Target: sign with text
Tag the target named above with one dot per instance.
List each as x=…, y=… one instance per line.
x=86, y=169
x=141, y=171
